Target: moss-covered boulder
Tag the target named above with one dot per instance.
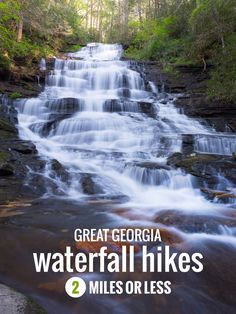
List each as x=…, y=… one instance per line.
x=5, y=167
x=206, y=168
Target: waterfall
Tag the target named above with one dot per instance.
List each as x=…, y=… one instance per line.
x=215, y=144
x=97, y=118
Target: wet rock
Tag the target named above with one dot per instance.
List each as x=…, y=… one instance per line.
x=174, y=159
x=113, y=105
x=89, y=186
x=24, y=147
x=13, y=302
x=124, y=93
x=220, y=195
x=191, y=81
x=59, y=170
x=193, y=223
x=206, y=168
x=6, y=169
x=131, y=214
x=200, y=106
x=7, y=127
x=16, y=158
x=164, y=102
x=8, y=120
x=147, y=108
x=234, y=155
x=170, y=237
x=219, y=124
x=117, y=105
x=152, y=165
x=64, y=105
x=44, y=128
x=187, y=144
x=232, y=125
x=7, y=110
x=106, y=199
x=125, y=81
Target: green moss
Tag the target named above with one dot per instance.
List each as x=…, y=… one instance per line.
x=4, y=62
x=72, y=48
x=169, y=68
x=15, y=95
x=6, y=126
x=189, y=161
x=7, y=135
x=3, y=156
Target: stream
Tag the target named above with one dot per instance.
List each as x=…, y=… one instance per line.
x=112, y=131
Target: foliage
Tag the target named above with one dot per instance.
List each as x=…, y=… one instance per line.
x=155, y=41
x=33, y=29
x=222, y=84
x=169, y=31
x=15, y=95
x=188, y=32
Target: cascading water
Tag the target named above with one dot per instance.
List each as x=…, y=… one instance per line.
x=113, y=132
x=96, y=117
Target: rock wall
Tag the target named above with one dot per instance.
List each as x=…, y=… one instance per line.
x=190, y=82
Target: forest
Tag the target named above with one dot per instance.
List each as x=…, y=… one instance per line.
x=172, y=32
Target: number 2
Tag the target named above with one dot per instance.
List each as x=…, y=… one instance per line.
x=75, y=284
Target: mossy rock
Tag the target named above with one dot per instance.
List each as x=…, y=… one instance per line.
x=192, y=160
x=7, y=126
x=6, y=168
x=3, y=157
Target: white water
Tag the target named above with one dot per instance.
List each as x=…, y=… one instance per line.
x=98, y=126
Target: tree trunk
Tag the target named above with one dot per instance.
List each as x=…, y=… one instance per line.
x=140, y=11
x=20, y=30
x=204, y=64
x=126, y=20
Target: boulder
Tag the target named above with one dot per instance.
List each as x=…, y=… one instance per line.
x=147, y=108
x=220, y=195
x=44, y=128
x=13, y=302
x=7, y=126
x=205, y=167
x=59, y=170
x=6, y=169
x=196, y=223
x=24, y=147
x=88, y=185
x=174, y=159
